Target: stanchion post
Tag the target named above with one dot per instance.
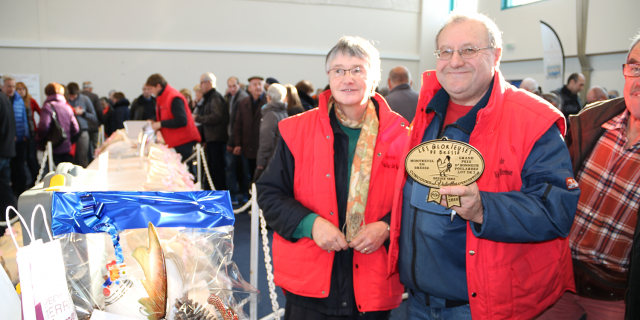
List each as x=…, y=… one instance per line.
x=50, y=156
x=253, y=277
x=199, y=172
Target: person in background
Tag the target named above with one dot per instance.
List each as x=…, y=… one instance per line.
x=214, y=120
x=120, y=111
x=144, y=106
x=32, y=107
x=197, y=109
x=269, y=82
x=531, y=85
x=247, y=126
x=187, y=95
x=305, y=89
x=571, y=103
x=197, y=92
x=173, y=117
x=88, y=121
x=333, y=172
x=87, y=90
x=18, y=173
x=402, y=98
x=236, y=165
x=272, y=113
x=7, y=152
x=503, y=253
x=613, y=94
x=292, y=100
x=56, y=102
x=553, y=99
x=597, y=93
x=107, y=110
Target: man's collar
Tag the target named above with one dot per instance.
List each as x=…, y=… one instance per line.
x=259, y=98
x=402, y=86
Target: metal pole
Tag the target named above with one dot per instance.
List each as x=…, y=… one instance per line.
x=253, y=277
x=50, y=156
x=198, y=147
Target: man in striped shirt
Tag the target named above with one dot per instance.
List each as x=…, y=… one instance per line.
x=604, y=144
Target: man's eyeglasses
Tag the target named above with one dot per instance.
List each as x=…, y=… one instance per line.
x=355, y=72
x=465, y=53
x=631, y=70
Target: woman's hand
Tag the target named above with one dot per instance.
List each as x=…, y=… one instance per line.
x=327, y=236
x=371, y=237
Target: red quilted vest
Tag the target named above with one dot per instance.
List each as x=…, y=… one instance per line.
x=505, y=280
x=302, y=267
x=174, y=137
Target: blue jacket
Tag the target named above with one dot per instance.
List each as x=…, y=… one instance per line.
x=20, y=113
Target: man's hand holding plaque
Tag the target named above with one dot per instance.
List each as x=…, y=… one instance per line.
x=471, y=205
x=449, y=168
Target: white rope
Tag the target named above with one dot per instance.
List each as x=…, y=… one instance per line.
x=244, y=207
x=44, y=162
x=267, y=263
x=12, y=221
x=191, y=157
x=206, y=170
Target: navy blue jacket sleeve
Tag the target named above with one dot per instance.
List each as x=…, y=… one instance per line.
x=544, y=208
x=281, y=210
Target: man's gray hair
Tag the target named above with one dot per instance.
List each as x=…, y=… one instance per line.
x=87, y=85
x=634, y=42
x=209, y=77
x=277, y=92
x=494, y=34
x=360, y=48
x=7, y=77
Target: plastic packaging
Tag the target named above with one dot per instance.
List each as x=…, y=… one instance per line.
x=99, y=232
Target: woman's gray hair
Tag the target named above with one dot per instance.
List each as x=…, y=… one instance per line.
x=360, y=48
x=277, y=92
x=494, y=34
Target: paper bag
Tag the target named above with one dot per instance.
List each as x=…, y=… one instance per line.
x=43, y=283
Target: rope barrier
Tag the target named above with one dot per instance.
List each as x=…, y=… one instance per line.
x=267, y=263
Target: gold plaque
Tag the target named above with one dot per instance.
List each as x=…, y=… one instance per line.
x=439, y=163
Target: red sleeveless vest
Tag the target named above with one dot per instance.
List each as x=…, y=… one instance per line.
x=302, y=267
x=510, y=280
x=174, y=137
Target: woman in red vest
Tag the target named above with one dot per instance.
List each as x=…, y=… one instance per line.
x=327, y=193
x=173, y=117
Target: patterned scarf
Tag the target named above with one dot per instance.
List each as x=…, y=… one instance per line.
x=360, y=168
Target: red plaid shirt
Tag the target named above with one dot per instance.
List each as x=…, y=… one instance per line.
x=605, y=221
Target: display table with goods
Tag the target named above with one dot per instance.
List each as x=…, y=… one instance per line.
x=126, y=254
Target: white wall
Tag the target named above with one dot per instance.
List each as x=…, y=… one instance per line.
x=118, y=44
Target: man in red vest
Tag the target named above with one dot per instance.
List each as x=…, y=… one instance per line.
x=174, y=117
x=503, y=254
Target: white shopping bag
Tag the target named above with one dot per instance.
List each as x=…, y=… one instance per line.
x=9, y=298
x=43, y=282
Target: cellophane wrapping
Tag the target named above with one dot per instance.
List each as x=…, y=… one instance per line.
x=198, y=264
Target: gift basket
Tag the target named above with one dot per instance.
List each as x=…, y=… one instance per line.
x=150, y=255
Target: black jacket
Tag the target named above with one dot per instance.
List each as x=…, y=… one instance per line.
x=215, y=117
x=233, y=110
x=141, y=109
x=307, y=102
x=584, y=133
x=97, y=106
x=7, y=128
x=120, y=114
x=571, y=103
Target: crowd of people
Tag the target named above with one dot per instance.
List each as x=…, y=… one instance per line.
x=549, y=231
